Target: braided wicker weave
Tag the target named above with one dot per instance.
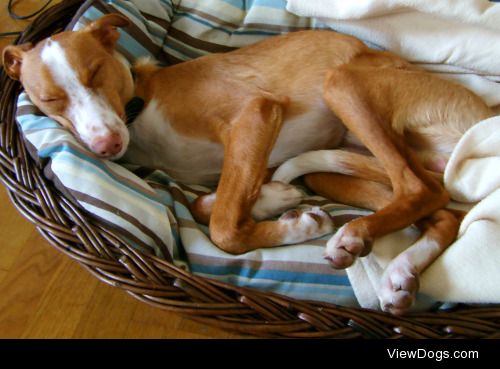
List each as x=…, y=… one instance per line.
x=159, y=283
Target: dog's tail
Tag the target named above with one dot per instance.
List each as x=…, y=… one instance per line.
x=332, y=161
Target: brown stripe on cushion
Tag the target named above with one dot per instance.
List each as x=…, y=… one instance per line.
x=218, y=21
x=182, y=48
x=163, y=23
x=186, y=223
x=28, y=110
x=275, y=28
x=129, y=218
x=179, y=196
x=173, y=222
x=160, y=187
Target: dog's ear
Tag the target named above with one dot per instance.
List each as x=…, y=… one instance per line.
x=104, y=29
x=12, y=59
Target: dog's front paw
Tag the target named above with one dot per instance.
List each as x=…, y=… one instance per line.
x=275, y=198
x=399, y=286
x=346, y=245
x=303, y=225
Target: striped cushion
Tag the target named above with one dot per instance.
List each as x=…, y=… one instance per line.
x=149, y=209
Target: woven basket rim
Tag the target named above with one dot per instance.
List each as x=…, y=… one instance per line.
x=159, y=283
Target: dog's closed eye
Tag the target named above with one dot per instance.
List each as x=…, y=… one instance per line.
x=48, y=99
x=93, y=73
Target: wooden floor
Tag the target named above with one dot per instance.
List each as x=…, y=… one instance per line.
x=44, y=294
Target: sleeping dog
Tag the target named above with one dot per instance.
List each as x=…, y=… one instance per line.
x=229, y=118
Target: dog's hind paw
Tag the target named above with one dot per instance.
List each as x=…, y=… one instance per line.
x=303, y=225
x=398, y=287
x=346, y=245
x=275, y=198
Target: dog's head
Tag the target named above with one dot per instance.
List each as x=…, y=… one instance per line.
x=75, y=78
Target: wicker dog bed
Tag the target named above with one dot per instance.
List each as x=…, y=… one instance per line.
x=159, y=283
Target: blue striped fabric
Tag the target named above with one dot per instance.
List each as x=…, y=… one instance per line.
x=151, y=211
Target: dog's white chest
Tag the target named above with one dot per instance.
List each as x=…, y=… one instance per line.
x=155, y=143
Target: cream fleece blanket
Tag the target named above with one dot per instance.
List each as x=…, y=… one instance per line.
x=469, y=270
x=458, y=39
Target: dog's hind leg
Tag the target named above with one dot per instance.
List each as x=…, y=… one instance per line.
x=248, y=142
x=400, y=280
x=349, y=190
x=416, y=194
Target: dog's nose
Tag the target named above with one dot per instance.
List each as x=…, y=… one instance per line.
x=108, y=145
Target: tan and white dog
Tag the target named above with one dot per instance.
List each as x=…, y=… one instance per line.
x=229, y=118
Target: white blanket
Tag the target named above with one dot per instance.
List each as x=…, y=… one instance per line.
x=458, y=39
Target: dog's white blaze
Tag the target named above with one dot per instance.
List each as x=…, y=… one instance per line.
x=90, y=113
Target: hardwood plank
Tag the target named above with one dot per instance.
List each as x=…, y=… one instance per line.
x=189, y=327
x=106, y=315
x=3, y=274
x=114, y=314
x=24, y=285
x=63, y=303
x=15, y=231
x=150, y=322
